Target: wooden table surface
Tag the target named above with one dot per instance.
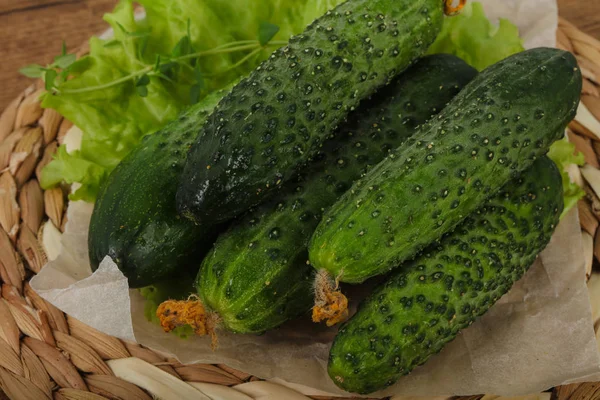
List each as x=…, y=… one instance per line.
x=31, y=31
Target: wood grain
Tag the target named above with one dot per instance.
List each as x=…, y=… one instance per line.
x=31, y=31
x=585, y=14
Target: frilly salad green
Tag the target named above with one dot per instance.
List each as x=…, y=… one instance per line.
x=133, y=84
x=472, y=37
x=564, y=154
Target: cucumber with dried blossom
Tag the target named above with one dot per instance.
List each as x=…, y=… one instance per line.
x=273, y=123
x=429, y=300
x=495, y=128
x=256, y=276
x=135, y=221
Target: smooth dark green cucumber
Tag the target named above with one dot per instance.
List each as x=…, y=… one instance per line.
x=135, y=221
x=274, y=122
x=495, y=128
x=424, y=305
x=256, y=277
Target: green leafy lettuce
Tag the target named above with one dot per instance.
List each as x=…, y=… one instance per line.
x=472, y=37
x=73, y=168
x=132, y=84
x=563, y=154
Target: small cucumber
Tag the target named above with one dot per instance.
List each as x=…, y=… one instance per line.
x=424, y=305
x=274, y=122
x=495, y=128
x=135, y=221
x=256, y=277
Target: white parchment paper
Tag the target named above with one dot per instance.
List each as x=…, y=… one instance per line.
x=537, y=336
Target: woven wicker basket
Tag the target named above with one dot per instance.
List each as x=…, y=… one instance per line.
x=45, y=354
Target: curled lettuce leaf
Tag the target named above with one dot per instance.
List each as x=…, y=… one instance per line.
x=563, y=154
x=73, y=168
x=114, y=117
x=472, y=37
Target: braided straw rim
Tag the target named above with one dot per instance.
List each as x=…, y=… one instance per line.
x=45, y=354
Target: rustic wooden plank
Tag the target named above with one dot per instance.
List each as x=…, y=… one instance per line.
x=585, y=14
x=15, y=6
x=32, y=32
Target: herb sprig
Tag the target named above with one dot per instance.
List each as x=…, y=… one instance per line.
x=53, y=74
x=165, y=67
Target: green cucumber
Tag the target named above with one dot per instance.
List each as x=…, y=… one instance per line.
x=495, y=128
x=135, y=221
x=274, y=122
x=424, y=305
x=256, y=277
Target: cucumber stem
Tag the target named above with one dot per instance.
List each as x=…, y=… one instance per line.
x=331, y=305
x=176, y=313
x=450, y=9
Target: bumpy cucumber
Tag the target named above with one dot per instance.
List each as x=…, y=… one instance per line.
x=272, y=123
x=427, y=302
x=496, y=127
x=256, y=277
x=135, y=220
